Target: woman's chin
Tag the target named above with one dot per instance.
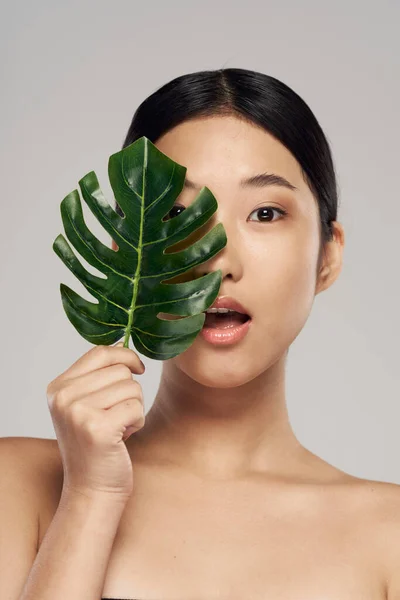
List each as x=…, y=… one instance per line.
x=223, y=373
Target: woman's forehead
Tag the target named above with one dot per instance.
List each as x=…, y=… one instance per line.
x=227, y=147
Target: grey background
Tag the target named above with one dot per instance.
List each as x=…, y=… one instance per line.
x=72, y=74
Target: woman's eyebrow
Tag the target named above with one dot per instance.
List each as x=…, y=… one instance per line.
x=264, y=179
x=258, y=181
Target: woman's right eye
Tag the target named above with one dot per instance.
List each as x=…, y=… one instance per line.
x=170, y=215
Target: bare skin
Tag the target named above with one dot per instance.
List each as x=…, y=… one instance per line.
x=227, y=503
x=320, y=533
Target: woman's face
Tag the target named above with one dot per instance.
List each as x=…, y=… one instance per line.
x=269, y=262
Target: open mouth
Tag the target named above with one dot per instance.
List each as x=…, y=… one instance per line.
x=225, y=320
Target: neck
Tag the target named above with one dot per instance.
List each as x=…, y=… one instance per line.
x=219, y=432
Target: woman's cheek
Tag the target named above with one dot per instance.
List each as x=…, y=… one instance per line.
x=288, y=292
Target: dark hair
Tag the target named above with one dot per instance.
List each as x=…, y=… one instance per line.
x=255, y=97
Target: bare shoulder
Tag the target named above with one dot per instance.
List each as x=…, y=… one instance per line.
x=35, y=465
x=373, y=504
x=23, y=453
x=28, y=470
x=372, y=509
x=386, y=517
x=377, y=506
x=41, y=453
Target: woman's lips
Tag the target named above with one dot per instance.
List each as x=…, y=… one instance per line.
x=225, y=335
x=229, y=302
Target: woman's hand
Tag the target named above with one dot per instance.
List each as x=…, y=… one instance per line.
x=95, y=405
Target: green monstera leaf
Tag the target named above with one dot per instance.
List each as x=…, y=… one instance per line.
x=146, y=184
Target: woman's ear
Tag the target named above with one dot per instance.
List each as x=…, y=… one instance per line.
x=332, y=259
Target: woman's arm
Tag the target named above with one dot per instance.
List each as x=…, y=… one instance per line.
x=73, y=557
x=72, y=560
x=392, y=538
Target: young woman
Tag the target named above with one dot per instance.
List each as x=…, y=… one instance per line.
x=211, y=496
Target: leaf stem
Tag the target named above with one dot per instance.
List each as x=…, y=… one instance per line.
x=139, y=246
x=128, y=328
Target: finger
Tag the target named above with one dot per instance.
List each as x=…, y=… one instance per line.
x=128, y=413
x=103, y=356
x=99, y=423
x=109, y=396
x=79, y=387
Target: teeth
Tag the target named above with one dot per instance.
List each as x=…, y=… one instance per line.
x=219, y=310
